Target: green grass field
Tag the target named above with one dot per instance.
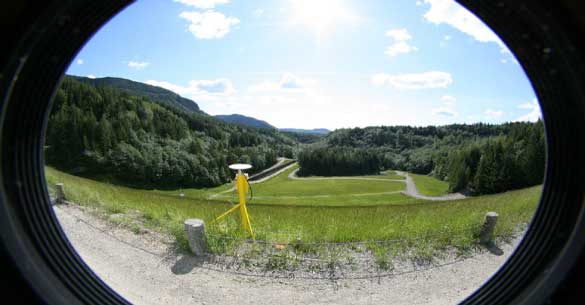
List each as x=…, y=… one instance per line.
x=166, y=212
x=281, y=190
x=430, y=186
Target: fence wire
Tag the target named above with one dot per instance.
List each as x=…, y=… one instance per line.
x=354, y=260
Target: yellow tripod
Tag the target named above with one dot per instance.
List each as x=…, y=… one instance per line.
x=243, y=188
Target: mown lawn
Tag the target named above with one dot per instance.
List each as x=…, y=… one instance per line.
x=441, y=220
x=282, y=185
x=430, y=186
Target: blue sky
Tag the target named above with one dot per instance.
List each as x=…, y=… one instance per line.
x=317, y=63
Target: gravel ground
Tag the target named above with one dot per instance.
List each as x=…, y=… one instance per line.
x=412, y=191
x=144, y=269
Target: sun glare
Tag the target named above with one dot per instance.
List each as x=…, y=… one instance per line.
x=322, y=15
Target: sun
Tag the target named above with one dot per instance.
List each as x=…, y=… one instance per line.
x=320, y=15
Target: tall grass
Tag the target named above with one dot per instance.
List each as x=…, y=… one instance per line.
x=409, y=223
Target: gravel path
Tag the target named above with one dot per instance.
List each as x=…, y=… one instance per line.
x=144, y=269
x=412, y=191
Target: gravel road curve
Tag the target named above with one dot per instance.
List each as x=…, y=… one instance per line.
x=144, y=269
x=412, y=191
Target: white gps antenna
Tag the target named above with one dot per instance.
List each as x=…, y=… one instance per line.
x=240, y=166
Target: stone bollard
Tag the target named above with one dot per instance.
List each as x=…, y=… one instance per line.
x=487, y=231
x=195, y=230
x=59, y=193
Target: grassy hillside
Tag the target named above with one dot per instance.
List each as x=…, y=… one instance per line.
x=438, y=220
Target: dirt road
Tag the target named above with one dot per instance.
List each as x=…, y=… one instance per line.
x=144, y=269
x=412, y=191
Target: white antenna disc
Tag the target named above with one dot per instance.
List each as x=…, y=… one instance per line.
x=239, y=166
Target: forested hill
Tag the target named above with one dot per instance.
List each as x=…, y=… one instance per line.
x=111, y=134
x=479, y=158
x=245, y=120
x=156, y=94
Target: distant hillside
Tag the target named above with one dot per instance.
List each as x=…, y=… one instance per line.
x=316, y=131
x=154, y=93
x=245, y=120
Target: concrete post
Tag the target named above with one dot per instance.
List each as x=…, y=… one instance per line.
x=59, y=193
x=487, y=231
x=195, y=230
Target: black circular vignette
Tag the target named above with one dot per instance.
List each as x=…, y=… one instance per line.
x=545, y=41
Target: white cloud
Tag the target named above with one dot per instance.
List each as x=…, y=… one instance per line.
x=453, y=14
x=400, y=45
x=209, y=24
x=91, y=76
x=203, y=4
x=424, y=80
x=180, y=90
x=220, y=87
x=399, y=34
x=443, y=42
x=448, y=100
x=138, y=65
x=79, y=61
x=398, y=48
x=258, y=12
x=444, y=111
x=531, y=116
x=288, y=82
x=418, y=3
x=493, y=114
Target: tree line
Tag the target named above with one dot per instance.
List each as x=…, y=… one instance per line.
x=477, y=158
x=338, y=161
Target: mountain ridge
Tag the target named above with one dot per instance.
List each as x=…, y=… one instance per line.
x=155, y=93
x=244, y=120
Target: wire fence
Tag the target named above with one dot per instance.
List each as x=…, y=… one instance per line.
x=351, y=260
x=412, y=236
x=409, y=252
